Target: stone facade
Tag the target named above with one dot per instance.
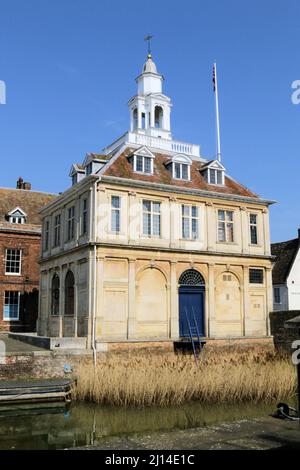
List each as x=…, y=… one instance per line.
x=121, y=239
x=132, y=282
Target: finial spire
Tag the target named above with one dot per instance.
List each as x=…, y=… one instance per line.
x=148, y=38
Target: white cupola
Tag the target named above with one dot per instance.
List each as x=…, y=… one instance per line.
x=150, y=109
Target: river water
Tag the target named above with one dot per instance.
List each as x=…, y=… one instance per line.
x=55, y=427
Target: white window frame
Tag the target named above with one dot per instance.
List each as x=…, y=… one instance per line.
x=215, y=170
x=190, y=218
x=153, y=214
x=225, y=222
x=136, y=156
x=180, y=171
x=17, y=219
x=20, y=262
x=116, y=210
x=4, y=305
x=256, y=225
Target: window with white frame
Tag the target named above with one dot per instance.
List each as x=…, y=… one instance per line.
x=225, y=226
x=143, y=164
x=71, y=223
x=151, y=218
x=215, y=176
x=189, y=222
x=181, y=171
x=17, y=216
x=214, y=173
x=115, y=214
x=277, y=297
x=13, y=262
x=11, y=306
x=84, y=221
x=253, y=229
x=57, y=229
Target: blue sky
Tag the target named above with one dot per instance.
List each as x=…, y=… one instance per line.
x=69, y=67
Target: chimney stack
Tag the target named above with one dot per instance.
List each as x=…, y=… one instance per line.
x=23, y=185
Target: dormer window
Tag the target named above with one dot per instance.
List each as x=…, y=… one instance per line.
x=213, y=173
x=77, y=173
x=17, y=216
x=181, y=167
x=215, y=176
x=89, y=169
x=142, y=161
x=181, y=171
x=143, y=164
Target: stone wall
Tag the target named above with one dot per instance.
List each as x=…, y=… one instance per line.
x=283, y=337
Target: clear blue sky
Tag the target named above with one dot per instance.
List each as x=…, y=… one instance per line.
x=69, y=68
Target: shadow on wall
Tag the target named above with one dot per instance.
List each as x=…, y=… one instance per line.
x=28, y=313
x=283, y=337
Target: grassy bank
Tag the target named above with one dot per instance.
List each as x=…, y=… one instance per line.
x=223, y=376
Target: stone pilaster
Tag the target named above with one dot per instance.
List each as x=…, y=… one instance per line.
x=173, y=202
x=211, y=226
x=131, y=325
x=99, y=296
x=132, y=211
x=246, y=300
x=61, y=300
x=211, y=314
x=269, y=299
x=266, y=231
x=244, y=230
x=76, y=300
x=174, y=313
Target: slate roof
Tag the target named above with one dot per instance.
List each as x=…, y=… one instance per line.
x=285, y=253
x=29, y=201
x=122, y=168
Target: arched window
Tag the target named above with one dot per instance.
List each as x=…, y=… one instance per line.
x=135, y=119
x=69, y=293
x=55, y=288
x=191, y=277
x=158, y=117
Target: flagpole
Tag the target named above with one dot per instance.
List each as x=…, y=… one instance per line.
x=217, y=113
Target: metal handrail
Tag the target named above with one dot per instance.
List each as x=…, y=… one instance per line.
x=192, y=339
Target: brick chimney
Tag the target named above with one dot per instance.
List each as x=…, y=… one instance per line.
x=23, y=185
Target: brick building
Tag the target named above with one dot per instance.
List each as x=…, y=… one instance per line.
x=20, y=238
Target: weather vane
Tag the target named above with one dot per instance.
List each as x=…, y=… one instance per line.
x=148, y=38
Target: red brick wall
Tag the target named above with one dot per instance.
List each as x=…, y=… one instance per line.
x=27, y=283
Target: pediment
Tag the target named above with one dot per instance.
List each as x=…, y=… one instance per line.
x=180, y=158
x=144, y=152
x=214, y=164
x=17, y=212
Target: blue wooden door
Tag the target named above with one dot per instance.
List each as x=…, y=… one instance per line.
x=191, y=310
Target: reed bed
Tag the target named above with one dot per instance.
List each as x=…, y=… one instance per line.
x=225, y=376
